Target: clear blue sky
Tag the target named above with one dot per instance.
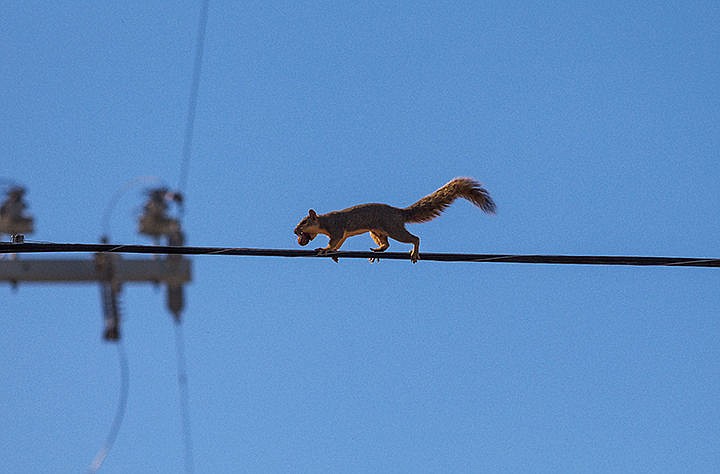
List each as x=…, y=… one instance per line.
x=595, y=126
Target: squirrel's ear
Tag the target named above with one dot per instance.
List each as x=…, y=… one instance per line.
x=312, y=213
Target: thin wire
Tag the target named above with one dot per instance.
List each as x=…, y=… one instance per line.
x=119, y=412
x=182, y=183
x=115, y=198
x=192, y=103
x=182, y=379
x=29, y=247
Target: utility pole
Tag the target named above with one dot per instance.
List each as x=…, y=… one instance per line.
x=109, y=270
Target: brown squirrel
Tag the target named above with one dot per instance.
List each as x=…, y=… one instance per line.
x=383, y=221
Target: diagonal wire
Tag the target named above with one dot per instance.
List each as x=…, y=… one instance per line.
x=182, y=183
x=192, y=103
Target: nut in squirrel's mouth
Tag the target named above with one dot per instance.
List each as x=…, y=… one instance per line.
x=304, y=239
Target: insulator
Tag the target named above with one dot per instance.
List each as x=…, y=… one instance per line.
x=175, y=300
x=175, y=294
x=155, y=222
x=13, y=219
x=109, y=294
x=111, y=311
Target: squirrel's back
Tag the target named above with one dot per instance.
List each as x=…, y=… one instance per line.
x=432, y=205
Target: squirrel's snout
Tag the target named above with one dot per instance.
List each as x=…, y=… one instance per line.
x=303, y=238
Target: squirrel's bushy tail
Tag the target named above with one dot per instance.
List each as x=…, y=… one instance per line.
x=434, y=204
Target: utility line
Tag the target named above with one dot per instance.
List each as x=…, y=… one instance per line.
x=182, y=183
x=192, y=103
x=29, y=247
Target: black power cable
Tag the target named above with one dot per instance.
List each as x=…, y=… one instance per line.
x=27, y=247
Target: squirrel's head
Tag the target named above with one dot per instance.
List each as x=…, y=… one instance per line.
x=308, y=228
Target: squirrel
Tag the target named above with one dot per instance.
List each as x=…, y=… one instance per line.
x=383, y=221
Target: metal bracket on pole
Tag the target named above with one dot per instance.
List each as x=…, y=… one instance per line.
x=110, y=270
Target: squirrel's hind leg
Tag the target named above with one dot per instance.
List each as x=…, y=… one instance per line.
x=381, y=240
x=402, y=235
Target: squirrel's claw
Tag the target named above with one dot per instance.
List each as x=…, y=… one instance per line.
x=382, y=248
x=325, y=251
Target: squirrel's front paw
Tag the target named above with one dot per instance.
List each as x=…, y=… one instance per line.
x=325, y=251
